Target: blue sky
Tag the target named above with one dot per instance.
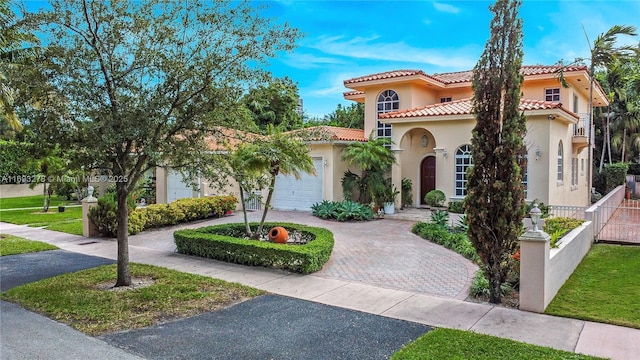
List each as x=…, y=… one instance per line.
x=345, y=39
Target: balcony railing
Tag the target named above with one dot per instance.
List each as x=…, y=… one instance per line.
x=582, y=127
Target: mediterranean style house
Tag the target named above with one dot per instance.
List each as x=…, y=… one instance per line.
x=429, y=120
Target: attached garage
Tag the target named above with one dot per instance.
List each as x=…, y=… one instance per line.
x=176, y=188
x=299, y=194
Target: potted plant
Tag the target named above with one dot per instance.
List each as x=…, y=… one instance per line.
x=389, y=198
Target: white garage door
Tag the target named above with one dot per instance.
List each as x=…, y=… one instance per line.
x=176, y=188
x=299, y=194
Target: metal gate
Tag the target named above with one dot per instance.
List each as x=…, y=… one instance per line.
x=624, y=225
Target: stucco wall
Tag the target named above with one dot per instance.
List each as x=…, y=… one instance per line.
x=17, y=190
x=565, y=259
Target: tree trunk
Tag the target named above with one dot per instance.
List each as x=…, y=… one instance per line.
x=495, y=294
x=624, y=144
x=604, y=142
x=122, y=216
x=244, y=214
x=266, y=206
x=45, y=204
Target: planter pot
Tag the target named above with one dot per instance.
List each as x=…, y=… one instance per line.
x=627, y=194
x=279, y=235
x=60, y=208
x=389, y=208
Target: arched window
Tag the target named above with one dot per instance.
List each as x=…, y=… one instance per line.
x=463, y=162
x=560, y=161
x=387, y=102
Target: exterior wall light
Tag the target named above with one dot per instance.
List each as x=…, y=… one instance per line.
x=424, y=141
x=535, y=214
x=538, y=153
x=444, y=153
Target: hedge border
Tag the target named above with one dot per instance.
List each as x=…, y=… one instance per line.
x=306, y=258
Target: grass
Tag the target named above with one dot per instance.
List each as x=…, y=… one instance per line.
x=604, y=288
x=458, y=344
x=81, y=300
x=30, y=201
x=69, y=221
x=12, y=245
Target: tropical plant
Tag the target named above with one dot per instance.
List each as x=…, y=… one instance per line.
x=407, y=193
x=374, y=158
x=495, y=195
x=440, y=217
x=274, y=104
x=342, y=211
x=325, y=209
x=150, y=79
x=435, y=198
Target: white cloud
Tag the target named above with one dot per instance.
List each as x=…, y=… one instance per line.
x=426, y=21
x=446, y=8
x=368, y=48
x=308, y=61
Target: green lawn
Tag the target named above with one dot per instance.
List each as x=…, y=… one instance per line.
x=12, y=245
x=604, y=288
x=69, y=221
x=91, y=306
x=31, y=201
x=457, y=344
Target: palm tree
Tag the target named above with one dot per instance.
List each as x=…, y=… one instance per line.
x=12, y=54
x=375, y=159
x=280, y=154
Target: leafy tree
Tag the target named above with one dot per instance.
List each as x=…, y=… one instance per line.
x=624, y=117
x=375, y=159
x=52, y=166
x=146, y=81
x=351, y=116
x=13, y=53
x=495, y=195
x=274, y=104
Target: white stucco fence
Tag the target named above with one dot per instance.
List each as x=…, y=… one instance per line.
x=543, y=271
x=17, y=190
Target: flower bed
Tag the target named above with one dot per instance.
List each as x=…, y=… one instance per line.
x=223, y=242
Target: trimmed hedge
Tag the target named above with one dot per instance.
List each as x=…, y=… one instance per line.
x=213, y=242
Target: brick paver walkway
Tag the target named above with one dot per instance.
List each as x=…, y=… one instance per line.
x=382, y=253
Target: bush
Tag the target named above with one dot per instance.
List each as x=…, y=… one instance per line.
x=480, y=286
x=407, y=193
x=435, y=198
x=559, y=227
x=214, y=242
x=457, y=242
x=103, y=216
x=342, y=210
x=15, y=162
x=634, y=169
x=614, y=175
x=456, y=207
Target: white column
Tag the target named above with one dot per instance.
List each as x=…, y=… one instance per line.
x=534, y=267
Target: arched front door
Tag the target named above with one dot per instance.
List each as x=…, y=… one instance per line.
x=427, y=176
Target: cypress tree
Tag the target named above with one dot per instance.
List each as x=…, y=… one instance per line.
x=495, y=194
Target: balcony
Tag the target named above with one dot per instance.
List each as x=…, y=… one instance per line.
x=580, y=139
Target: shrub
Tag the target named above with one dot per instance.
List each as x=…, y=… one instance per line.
x=543, y=208
x=342, y=210
x=104, y=214
x=407, y=193
x=137, y=220
x=456, y=207
x=480, y=286
x=634, y=169
x=214, y=242
x=435, y=198
x=440, y=217
x=559, y=227
x=614, y=175
x=440, y=235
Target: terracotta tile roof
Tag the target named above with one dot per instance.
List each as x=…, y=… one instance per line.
x=223, y=138
x=324, y=132
x=460, y=76
x=385, y=75
x=465, y=107
x=353, y=93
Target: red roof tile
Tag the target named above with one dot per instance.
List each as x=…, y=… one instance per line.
x=338, y=133
x=385, y=75
x=465, y=107
x=460, y=76
x=353, y=93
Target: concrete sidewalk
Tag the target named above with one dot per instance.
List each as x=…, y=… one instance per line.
x=561, y=333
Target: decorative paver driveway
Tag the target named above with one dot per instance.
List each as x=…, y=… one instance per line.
x=382, y=253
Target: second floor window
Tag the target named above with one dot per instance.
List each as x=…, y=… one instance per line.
x=387, y=102
x=560, y=162
x=445, y=99
x=552, y=94
x=463, y=162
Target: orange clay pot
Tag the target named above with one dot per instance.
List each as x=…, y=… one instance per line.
x=279, y=235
